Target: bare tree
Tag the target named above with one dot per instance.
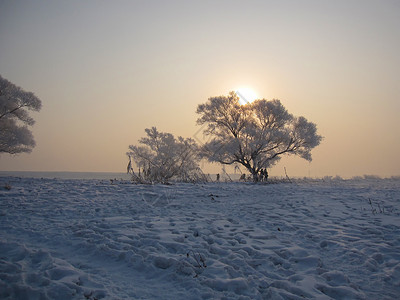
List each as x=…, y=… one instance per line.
x=15, y=136
x=254, y=135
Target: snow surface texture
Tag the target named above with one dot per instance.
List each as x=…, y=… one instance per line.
x=90, y=239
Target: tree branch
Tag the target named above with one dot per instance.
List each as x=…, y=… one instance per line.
x=12, y=111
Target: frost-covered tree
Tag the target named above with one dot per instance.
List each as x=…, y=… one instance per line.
x=254, y=135
x=15, y=136
x=163, y=157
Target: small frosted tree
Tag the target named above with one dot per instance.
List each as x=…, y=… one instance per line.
x=254, y=135
x=163, y=157
x=15, y=136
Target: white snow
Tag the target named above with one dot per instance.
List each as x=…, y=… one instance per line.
x=90, y=239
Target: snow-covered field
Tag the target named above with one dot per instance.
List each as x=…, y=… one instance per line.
x=90, y=239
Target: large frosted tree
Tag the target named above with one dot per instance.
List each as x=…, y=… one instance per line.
x=254, y=135
x=15, y=136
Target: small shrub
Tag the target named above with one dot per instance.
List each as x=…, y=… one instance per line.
x=163, y=158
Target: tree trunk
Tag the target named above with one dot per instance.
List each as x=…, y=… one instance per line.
x=255, y=177
x=254, y=173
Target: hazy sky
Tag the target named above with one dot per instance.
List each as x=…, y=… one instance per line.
x=106, y=70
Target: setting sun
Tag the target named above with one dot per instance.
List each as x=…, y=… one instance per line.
x=246, y=95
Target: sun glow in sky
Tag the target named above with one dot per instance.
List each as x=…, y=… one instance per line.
x=246, y=95
x=106, y=70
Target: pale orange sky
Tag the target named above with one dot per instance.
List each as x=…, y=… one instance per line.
x=106, y=70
